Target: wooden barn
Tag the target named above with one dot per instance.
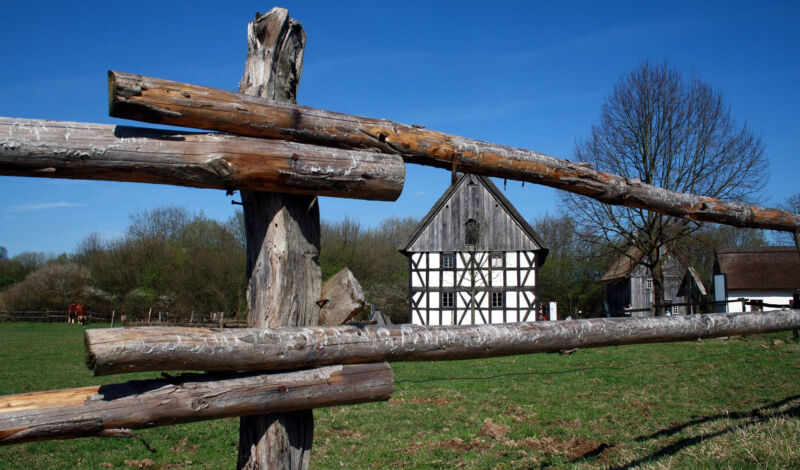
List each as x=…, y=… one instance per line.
x=629, y=285
x=770, y=274
x=473, y=259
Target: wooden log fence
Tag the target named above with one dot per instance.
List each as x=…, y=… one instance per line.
x=167, y=102
x=57, y=149
x=132, y=350
x=286, y=148
x=109, y=410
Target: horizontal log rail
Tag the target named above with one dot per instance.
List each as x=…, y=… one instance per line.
x=111, y=351
x=110, y=409
x=168, y=102
x=58, y=149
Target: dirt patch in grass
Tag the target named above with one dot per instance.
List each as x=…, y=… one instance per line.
x=349, y=434
x=456, y=444
x=460, y=445
x=494, y=431
x=639, y=406
x=144, y=463
x=575, y=448
x=572, y=424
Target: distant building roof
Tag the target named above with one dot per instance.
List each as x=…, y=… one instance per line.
x=763, y=268
x=622, y=267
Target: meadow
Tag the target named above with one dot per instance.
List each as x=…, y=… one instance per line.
x=723, y=403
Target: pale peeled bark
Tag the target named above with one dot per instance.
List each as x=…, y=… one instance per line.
x=165, y=348
x=342, y=299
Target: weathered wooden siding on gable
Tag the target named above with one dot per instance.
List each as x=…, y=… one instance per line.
x=472, y=199
x=643, y=297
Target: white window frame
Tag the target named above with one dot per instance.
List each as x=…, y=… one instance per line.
x=649, y=284
x=497, y=259
x=448, y=260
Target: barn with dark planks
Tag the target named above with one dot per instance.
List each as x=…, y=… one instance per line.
x=473, y=259
x=629, y=283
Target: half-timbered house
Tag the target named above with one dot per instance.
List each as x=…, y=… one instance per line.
x=473, y=259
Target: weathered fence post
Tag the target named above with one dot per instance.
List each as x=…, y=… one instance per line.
x=282, y=246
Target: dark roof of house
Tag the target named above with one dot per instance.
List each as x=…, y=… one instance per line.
x=763, y=268
x=623, y=266
x=498, y=196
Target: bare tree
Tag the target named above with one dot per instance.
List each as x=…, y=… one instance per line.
x=661, y=129
x=792, y=203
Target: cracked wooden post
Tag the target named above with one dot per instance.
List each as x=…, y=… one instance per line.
x=282, y=247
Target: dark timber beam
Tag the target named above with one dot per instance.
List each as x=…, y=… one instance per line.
x=108, y=410
x=57, y=149
x=112, y=351
x=167, y=102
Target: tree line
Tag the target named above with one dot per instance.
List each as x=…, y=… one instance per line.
x=177, y=262
x=172, y=261
x=168, y=259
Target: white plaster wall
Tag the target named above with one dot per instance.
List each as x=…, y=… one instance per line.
x=415, y=279
x=768, y=297
x=511, y=260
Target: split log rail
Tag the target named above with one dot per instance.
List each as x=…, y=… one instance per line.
x=109, y=410
x=114, y=351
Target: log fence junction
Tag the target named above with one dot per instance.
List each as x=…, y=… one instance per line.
x=282, y=156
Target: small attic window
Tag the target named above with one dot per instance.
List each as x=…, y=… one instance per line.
x=471, y=182
x=448, y=259
x=471, y=232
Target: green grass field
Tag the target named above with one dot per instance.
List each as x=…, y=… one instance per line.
x=705, y=404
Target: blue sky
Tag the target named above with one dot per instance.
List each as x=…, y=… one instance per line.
x=525, y=74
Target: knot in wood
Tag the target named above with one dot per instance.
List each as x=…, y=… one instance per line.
x=220, y=166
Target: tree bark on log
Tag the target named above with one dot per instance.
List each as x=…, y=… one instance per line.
x=109, y=409
x=168, y=102
x=142, y=349
x=58, y=149
x=283, y=239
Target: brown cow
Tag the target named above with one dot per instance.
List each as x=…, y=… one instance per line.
x=77, y=313
x=71, y=315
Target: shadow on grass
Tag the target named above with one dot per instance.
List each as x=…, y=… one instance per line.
x=755, y=416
